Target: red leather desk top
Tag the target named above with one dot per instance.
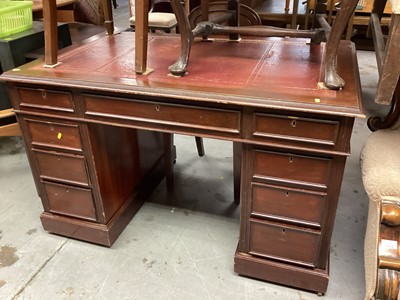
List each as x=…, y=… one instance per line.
x=274, y=72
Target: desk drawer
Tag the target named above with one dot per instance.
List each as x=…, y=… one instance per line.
x=284, y=243
x=322, y=132
x=62, y=167
x=288, y=204
x=70, y=201
x=223, y=120
x=33, y=99
x=297, y=169
x=54, y=134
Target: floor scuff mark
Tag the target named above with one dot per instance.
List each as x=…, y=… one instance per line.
x=2, y=282
x=8, y=256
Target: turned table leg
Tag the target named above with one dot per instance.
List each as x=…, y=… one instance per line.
x=179, y=68
x=332, y=79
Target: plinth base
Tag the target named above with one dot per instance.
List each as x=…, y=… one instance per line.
x=295, y=276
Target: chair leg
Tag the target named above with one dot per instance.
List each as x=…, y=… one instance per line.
x=50, y=32
x=237, y=160
x=141, y=35
x=200, y=145
x=169, y=159
x=108, y=16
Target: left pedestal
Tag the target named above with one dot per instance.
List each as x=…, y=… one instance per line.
x=91, y=178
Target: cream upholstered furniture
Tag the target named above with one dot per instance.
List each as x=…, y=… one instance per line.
x=157, y=20
x=380, y=163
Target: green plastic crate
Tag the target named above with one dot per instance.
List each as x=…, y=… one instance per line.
x=15, y=16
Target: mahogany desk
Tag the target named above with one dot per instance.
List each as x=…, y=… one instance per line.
x=92, y=133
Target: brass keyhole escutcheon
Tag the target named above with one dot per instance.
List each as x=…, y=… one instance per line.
x=44, y=95
x=291, y=159
x=287, y=194
x=158, y=107
x=293, y=123
x=283, y=231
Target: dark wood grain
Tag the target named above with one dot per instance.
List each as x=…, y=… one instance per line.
x=291, y=140
x=288, y=205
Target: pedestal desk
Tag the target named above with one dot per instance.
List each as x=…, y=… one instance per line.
x=92, y=129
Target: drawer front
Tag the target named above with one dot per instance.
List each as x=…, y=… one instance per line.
x=62, y=167
x=161, y=113
x=70, y=201
x=322, y=132
x=54, y=134
x=298, y=169
x=287, y=204
x=284, y=243
x=33, y=99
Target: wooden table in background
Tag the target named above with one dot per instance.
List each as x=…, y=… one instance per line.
x=65, y=10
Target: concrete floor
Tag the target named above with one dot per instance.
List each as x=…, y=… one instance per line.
x=178, y=246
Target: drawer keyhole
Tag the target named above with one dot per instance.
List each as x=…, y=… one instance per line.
x=291, y=159
x=287, y=194
x=44, y=95
x=158, y=108
x=283, y=231
x=293, y=123
x=51, y=127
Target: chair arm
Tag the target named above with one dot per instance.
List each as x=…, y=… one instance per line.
x=389, y=263
x=388, y=279
x=390, y=215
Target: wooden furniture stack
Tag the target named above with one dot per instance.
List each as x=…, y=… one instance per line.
x=9, y=128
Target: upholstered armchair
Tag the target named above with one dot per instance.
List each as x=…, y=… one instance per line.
x=165, y=21
x=380, y=168
x=380, y=165
x=89, y=11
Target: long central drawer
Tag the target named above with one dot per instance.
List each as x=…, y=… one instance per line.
x=223, y=120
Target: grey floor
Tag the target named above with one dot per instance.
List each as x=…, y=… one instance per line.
x=178, y=246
